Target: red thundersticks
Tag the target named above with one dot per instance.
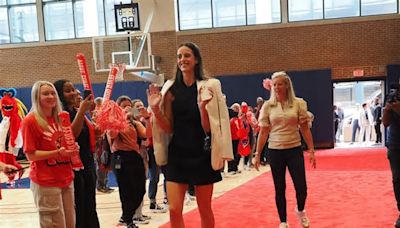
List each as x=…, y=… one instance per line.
x=110, y=83
x=84, y=72
x=70, y=140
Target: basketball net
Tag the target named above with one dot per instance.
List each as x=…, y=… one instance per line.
x=121, y=70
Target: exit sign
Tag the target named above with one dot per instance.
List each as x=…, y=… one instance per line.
x=358, y=73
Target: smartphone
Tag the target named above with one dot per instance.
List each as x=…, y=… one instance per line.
x=16, y=170
x=137, y=111
x=86, y=93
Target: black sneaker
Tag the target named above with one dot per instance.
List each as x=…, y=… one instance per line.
x=165, y=201
x=132, y=225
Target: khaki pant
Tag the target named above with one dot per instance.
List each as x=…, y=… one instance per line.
x=55, y=206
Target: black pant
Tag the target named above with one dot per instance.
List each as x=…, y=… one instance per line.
x=378, y=132
x=233, y=165
x=128, y=168
x=293, y=159
x=85, y=198
x=355, y=127
x=394, y=159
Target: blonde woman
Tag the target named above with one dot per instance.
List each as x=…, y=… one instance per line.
x=280, y=119
x=51, y=171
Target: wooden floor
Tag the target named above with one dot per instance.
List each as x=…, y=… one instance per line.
x=18, y=210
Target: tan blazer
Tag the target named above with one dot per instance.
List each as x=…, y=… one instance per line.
x=221, y=144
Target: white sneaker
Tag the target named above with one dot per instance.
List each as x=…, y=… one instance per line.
x=284, y=225
x=140, y=220
x=187, y=199
x=304, y=221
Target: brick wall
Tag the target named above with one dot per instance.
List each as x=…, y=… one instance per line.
x=369, y=45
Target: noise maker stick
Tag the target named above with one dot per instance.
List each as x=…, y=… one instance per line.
x=110, y=115
x=70, y=140
x=110, y=83
x=84, y=72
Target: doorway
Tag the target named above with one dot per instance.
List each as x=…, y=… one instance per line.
x=349, y=97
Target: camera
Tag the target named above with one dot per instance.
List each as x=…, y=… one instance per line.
x=394, y=94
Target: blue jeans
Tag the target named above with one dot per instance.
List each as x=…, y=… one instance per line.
x=394, y=160
x=154, y=175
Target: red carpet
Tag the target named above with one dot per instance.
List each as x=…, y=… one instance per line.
x=349, y=188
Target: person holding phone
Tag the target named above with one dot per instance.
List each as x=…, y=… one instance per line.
x=51, y=169
x=127, y=163
x=280, y=119
x=84, y=132
x=6, y=168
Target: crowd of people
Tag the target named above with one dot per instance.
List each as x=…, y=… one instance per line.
x=365, y=120
x=187, y=134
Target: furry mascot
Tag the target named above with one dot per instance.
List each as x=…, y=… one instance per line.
x=13, y=111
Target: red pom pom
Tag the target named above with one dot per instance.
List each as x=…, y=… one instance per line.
x=111, y=117
x=267, y=84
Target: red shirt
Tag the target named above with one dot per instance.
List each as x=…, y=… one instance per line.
x=53, y=172
x=235, y=125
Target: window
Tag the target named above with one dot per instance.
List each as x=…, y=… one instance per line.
x=302, y=10
x=375, y=7
x=18, y=21
x=89, y=22
x=342, y=8
x=199, y=14
x=229, y=13
x=263, y=12
x=23, y=24
x=4, y=32
x=195, y=14
x=73, y=19
x=19, y=2
x=58, y=20
x=110, y=17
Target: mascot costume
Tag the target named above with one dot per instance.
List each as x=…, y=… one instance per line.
x=13, y=111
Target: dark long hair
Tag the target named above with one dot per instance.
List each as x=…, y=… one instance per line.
x=198, y=68
x=59, y=84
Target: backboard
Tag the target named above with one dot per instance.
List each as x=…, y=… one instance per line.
x=133, y=50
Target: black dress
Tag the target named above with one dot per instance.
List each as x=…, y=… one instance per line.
x=187, y=161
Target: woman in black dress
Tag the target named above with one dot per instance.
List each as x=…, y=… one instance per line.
x=185, y=117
